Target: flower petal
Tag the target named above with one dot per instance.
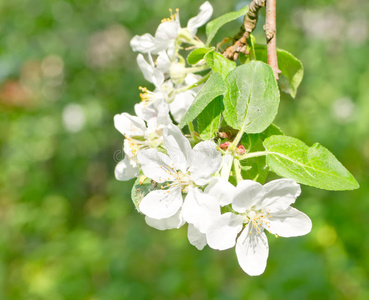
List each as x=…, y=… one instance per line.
x=206, y=10
x=126, y=170
x=161, y=204
x=221, y=189
x=205, y=161
x=289, y=222
x=156, y=165
x=247, y=194
x=163, y=62
x=149, y=71
x=178, y=147
x=129, y=125
x=195, y=237
x=222, y=232
x=252, y=251
x=144, y=43
x=280, y=194
x=200, y=209
x=181, y=104
x=173, y=222
x=167, y=31
x=156, y=114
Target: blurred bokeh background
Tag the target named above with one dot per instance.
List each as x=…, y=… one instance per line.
x=68, y=229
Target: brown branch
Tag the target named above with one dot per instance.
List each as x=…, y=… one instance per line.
x=249, y=24
x=271, y=36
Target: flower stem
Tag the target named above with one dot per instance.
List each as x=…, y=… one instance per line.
x=188, y=87
x=237, y=170
x=236, y=140
x=193, y=133
x=253, y=154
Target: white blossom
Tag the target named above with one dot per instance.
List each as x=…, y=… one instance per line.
x=167, y=95
x=181, y=170
x=137, y=137
x=256, y=208
x=169, y=31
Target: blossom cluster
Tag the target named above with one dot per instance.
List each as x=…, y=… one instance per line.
x=190, y=177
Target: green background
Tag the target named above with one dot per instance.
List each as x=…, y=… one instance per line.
x=68, y=229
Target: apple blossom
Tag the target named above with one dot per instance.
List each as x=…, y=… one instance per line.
x=182, y=170
x=256, y=208
x=170, y=32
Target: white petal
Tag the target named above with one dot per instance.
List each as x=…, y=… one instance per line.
x=181, y=104
x=289, y=222
x=206, y=10
x=167, y=31
x=192, y=79
x=221, y=189
x=149, y=71
x=144, y=43
x=156, y=165
x=163, y=62
x=222, y=232
x=129, y=125
x=200, y=209
x=252, y=251
x=227, y=162
x=161, y=204
x=173, y=222
x=205, y=161
x=280, y=194
x=163, y=117
x=247, y=194
x=195, y=237
x=178, y=147
x=125, y=170
x=155, y=114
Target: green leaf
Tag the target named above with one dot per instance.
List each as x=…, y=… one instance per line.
x=291, y=67
x=213, y=88
x=218, y=63
x=252, y=98
x=253, y=142
x=196, y=55
x=271, y=130
x=255, y=169
x=213, y=26
x=141, y=189
x=315, y=166
x=209, y=119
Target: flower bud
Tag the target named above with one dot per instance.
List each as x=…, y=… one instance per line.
x=224, y=146
x=240, y=150
x=223, y=135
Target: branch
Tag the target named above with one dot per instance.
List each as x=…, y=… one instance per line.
x=271, y=32
x=249, y=24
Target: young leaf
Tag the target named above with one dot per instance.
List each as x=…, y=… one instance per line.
x=253, y=142
x=271, y=130
x=315, y=166
x=209, y=119
x=291, y=67
x=252, y=97
x=141, y=189
x=213, y=88
x=196, y=55
x=213, y=26
x=257, y=169
x=218, y=63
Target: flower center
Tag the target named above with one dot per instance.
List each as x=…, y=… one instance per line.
x=146, y=95
x=172, y=16
x=180, y=179
x=258, y=218
x=134, y=146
